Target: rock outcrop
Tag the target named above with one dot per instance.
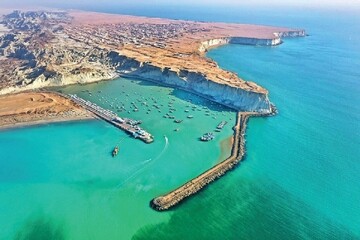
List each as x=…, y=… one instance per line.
x=58, y=48
x=275, y=40
x=194, y=82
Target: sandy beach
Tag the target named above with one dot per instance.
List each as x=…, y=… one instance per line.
x=33, y=108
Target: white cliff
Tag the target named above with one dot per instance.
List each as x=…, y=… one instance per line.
x=194, y=82
x=44, y=49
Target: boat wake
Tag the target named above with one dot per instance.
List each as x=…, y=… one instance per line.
x=164, y=149
x=146, y=164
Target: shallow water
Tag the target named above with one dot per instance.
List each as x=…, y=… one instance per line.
x=299, y=179
x=62, y=177
x=300, y=176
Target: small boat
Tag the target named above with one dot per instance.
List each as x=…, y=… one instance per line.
x=115, y=151
x=178, y=121
x=221, y=124
x=190, y=116
x=207, y=137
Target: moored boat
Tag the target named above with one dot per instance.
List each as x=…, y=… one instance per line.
x=221, y=124
x=207, y=137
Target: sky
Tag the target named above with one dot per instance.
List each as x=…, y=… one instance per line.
x=154, y=3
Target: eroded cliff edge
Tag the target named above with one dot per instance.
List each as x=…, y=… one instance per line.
x=195, y=82
x=42, y=49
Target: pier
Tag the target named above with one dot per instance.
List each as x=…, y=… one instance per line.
x=128, y=125
x=174, y=197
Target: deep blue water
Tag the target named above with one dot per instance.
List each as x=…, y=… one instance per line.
x=311, y=148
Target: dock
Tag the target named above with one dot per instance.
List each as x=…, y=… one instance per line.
x=128, y=125
x=174, y=197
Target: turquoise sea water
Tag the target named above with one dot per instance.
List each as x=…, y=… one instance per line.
x=61, y=178
x=300, y=178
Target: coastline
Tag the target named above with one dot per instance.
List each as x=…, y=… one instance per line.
x=171, y=54
x=197, y=93
x=38, y=107
x=185, y=68
x=43, y=122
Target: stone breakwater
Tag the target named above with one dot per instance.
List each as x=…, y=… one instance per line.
x=174, y=197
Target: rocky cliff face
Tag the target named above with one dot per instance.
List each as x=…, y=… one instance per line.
x=255, y=41
x=212, y=43
x=276, y=40
x=194, y=82
x=294, y=33
x=45, y=49
x=205, y=45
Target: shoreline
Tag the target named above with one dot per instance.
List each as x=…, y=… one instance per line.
x=44, y=122
x=37, y=108
x=137, y=77
x=173, y=54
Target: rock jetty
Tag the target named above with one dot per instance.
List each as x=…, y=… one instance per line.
x=174, y=197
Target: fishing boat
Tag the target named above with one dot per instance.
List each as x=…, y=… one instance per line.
x=207, y=137
x=115, y=151
x=221, y=124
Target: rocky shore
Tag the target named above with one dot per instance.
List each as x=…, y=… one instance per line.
x=42, y=49
x=195, y=82
x=174, y=197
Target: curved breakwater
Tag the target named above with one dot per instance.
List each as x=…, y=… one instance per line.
x=174, y=197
